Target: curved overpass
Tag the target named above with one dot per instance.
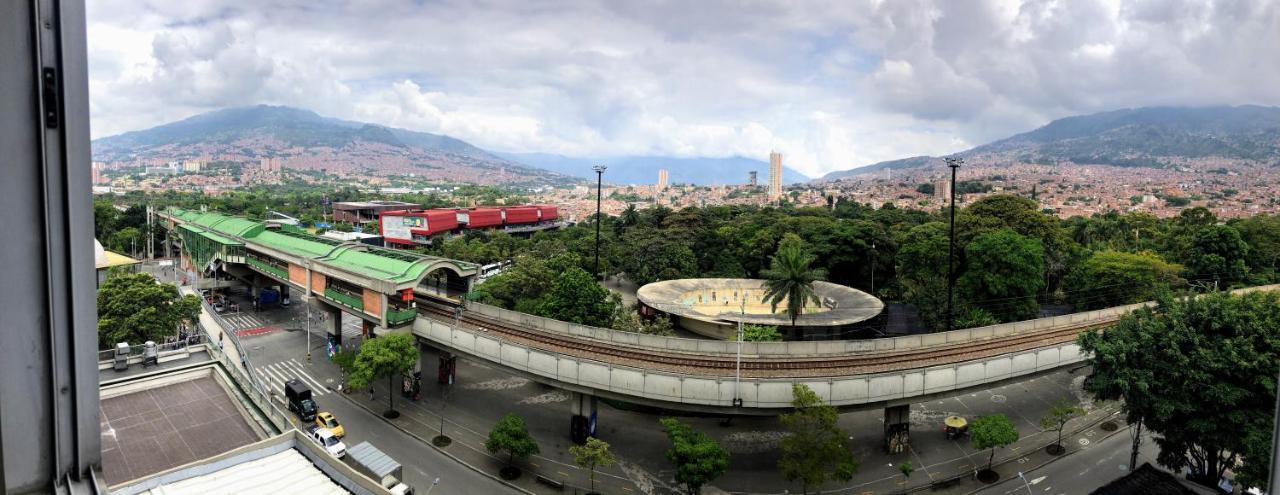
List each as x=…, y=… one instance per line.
x=700, y=375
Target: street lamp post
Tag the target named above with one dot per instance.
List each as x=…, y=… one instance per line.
x=737, y=380
x=955, y=164
x=599, y=194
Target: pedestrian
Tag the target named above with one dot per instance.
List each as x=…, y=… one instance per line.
x=220, y=346
x=371, y=392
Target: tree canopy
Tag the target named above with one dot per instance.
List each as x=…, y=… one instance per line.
x=815, y=450
x=698, y=458
x=790, y=277
x=511, y=436
x=386, y=356
x=992, y=431
x=133, y=307
x=591, y=455
x=1113, y=278
x=1004, y=273
x=1200, y=373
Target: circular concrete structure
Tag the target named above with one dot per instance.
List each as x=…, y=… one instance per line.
x=712, y=307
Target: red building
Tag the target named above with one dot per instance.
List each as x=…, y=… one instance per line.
x=416, y=226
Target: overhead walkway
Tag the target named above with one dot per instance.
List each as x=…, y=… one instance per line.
x=373, y=283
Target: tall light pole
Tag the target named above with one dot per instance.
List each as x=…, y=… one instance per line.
x=737, y=385
x=955, y=164
x=599, y=194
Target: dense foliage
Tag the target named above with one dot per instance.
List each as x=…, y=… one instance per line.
x=1104, y=260
x=134, y=308
x=1201, y=374
x=992, y=431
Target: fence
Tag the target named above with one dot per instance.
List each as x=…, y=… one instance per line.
x=136, y=350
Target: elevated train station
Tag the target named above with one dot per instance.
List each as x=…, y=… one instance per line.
x=374, y=284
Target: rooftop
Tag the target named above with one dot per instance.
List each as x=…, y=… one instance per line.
x=395, y=266
x=718, y=300
x=148, y=429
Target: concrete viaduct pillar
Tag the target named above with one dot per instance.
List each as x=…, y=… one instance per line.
x=897, y=428
x=335, y=322
x=582, y=422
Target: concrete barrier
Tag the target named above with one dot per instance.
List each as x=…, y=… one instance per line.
x=700, y=392
x=811, y=348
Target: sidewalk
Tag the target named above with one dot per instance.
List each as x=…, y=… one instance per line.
x=423, y=422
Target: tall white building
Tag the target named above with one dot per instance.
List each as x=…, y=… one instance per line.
x=662, y=179
x=775, y=175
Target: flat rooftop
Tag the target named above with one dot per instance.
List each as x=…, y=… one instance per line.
x=285, y=472
x=153, y=429
x=730, y=300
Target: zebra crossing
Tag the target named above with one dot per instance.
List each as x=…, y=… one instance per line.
x=241, y=321
x=275, y=374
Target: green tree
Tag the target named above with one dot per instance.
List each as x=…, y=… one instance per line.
x=1200, y=373
x=512, y=437
x=630, y=321
x=790, y=277
x=390, y=356
x=815, y=450
x=591, y=455
x=1112, y=278
x=1057, y=417
x=760, y=333
x=992, y=432
x=1262, y=234
x=1218, y=253
x=127, y=240
x=922, y=271
x=577, y=298
x=698, y=457
x=1003, y=273
x=133, y=307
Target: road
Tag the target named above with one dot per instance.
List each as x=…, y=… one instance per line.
x=1084, y=471
x=422, y=464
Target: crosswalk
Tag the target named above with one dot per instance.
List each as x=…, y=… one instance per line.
x=275, y=374
x=241, y=321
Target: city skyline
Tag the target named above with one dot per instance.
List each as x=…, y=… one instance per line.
x=839, y=86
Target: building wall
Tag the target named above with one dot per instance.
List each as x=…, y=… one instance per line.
x=298, y=274
x=372, y=302
x=318, y=282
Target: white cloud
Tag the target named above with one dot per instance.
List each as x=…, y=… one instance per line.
x=832, y=85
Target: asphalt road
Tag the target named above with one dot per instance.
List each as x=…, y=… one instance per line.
x=280, y=352
x=1088, y=469
x=483, y=393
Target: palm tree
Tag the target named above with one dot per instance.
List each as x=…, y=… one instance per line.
x=790, y=277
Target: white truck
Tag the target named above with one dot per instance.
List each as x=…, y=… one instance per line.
x=326, y=439
x=378, y=466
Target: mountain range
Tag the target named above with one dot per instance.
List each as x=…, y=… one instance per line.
x=1138, y=137
x=644, y=169
x=303, y=139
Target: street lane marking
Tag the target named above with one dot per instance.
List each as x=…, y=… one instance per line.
x=301, y=370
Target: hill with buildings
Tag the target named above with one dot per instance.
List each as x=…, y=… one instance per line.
x=302, y=139
x=644, y=169
x=1158, y=137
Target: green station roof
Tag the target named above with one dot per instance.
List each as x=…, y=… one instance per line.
x=395, y=266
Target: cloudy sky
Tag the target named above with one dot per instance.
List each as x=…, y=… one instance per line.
x=831, y=85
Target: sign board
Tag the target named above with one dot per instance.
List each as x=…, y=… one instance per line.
x=394, y=227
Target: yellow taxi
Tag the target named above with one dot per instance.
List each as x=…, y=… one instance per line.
x=327, y=420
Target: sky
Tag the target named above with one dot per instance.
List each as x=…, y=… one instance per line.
x=830, y=85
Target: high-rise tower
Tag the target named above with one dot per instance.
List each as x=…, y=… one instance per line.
x=751, y=178
x=775, y=175
x=662, y=179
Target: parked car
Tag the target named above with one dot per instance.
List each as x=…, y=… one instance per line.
x=325, y=419
x=217, y=306
x=326, y=439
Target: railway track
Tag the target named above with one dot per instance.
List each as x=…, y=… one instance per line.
x=755, y=366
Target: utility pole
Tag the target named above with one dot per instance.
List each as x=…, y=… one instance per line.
x=873, y=268
x=737, y=387
x=955, y=164
x=599, y=195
